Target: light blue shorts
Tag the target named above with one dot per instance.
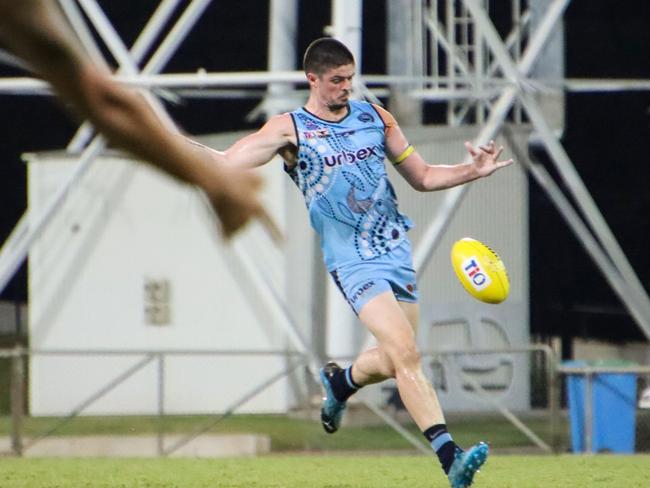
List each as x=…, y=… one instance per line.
x=392, y=271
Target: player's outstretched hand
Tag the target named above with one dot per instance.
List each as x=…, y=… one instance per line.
x=237, y=201
x=486, y=158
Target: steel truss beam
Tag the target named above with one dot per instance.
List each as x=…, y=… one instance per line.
x=571, y=216
x=128, y=60
x=453, y=198
x=248, y=80
x=629, y=287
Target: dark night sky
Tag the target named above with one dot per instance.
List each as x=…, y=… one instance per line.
x=606, y=136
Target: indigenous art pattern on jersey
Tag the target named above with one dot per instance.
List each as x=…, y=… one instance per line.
x=341, y=173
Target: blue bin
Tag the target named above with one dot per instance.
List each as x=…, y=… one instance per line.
x=613, y=403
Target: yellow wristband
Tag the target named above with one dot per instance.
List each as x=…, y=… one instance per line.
x=407, y=152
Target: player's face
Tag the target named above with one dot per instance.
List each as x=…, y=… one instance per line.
x=334, y=87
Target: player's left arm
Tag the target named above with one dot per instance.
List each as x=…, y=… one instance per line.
x=430, y=177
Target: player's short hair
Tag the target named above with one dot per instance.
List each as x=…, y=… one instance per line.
x=324, y=54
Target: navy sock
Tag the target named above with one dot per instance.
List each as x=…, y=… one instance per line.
x=343, y=386
x=442, y=444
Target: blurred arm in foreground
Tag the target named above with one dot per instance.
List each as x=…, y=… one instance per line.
x=36, y=31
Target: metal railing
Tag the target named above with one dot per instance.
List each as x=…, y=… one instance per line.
x=18, y=355
x=553, y=398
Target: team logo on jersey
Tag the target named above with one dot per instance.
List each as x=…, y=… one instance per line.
x=350, y=157
x=317, y=133
x=365, y=117
x=311, y=125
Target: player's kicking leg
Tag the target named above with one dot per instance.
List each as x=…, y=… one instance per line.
x=393, y=324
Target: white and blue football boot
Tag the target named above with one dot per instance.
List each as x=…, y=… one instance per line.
x=467, y=463
x=332, y=410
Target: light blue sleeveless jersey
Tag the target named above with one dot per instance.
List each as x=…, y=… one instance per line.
x=341, y=173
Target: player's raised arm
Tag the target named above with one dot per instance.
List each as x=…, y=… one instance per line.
x=430, y=177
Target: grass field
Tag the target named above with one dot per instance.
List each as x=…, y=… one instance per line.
x=334, y=471
x=292, y=434
x=321, y=456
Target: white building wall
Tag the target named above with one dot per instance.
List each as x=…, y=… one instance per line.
x=126, y=224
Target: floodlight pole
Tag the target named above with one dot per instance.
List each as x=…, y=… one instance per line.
x=282, y=52
x=404, y=57
x=153, y=28
x=346, y=26
x=440, y=32
x=340, y=337
x=630, y=290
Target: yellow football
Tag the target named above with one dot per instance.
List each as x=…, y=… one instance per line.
x=480, y=270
